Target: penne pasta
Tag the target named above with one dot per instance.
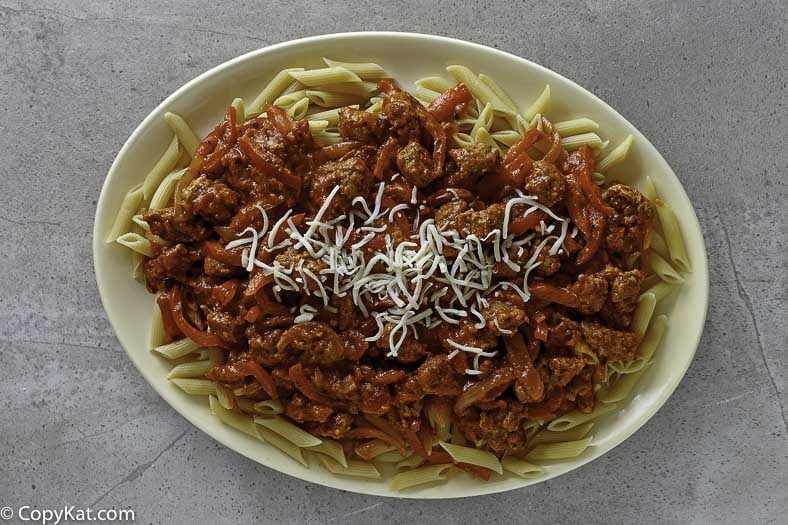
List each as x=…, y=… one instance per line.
x=584, y=139
x=185, y=135
x=573, y=434
x=245, y=405
x=166, y=190
x=281, y=443
x=598, y=178
x=424, y=95
x=621, y=388
x=326, y=75
x=376, y=447
x=643, y=312
x=499, y=92
x=327, y=99
x=616, y=156
x=191, y=369
x=324, y=138
x=136, y=267
x=287, y=430
x=575, y=418
x=673, y=237
x=484, y=121
x=269, y=407
x=270, y=92
x=365, y=71
x=649, y=191
x=177, y=349
x=195, y=387
x=332, y=449
x=555, y=451
x=161, y=169
x=521, y=468
x=226, y=397
x=508, y=138
x=583, y=350
x=483, y=136
x=661, y=290
x=136, y=242
x=540, y=106
x=356, y=469
x=420, y=476
x=412, y=461
x=233, y=419
x=663, y=268
x=156, y=334
x=316, y=126
x=128, y=208
x=361, y=89
x=376, y=106
x=390, y=456
x=439, y=84
x=479, y=89
x=472, y=456
x=462, y=140
x=240, y=109
x=289, y=99
x=298, y=110
x=657, y=244
x=575, y=126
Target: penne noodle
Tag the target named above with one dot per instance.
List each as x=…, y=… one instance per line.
x=540, y=106
x=575, y=126
x=182, y=130
x=643, y=312
x=365, y=71
x=331, y=100
x=575, y=418
x=483, y=136
x=573, y=434
x=621, y=389
x=463, y=140
x=616, y=156
x=166, y=190
x=584, y=139
x=652, y=338
x=472, y=456
x=598, y=178
x=507, y=138
x=240, y=109
x=521, y=468
x=269, y=407
x=195, y=387
x=376, y=447
x=281, y=443
x=375, y=107
x=663, y=268
x=287, y=430
x=649, y=191
x=326, y=75
x=233, y=419
x=161, y=169
x=136, y=267
x=245, y=405
x=298, y=110
x=316, y=126
x=478, y=89
x=412, y=461
x=361, y=89
x=390, y=456
x=177, y=349
x=356, y=469
x=424, y=95
x=439, y=84
x=331, y=116
x=325, y=138
x=420, y=476
x=673, y=237
x=554, y=451
x=499, y=92
x=289, y=99
x=156, y=334
x=583, y=350
x=657, y=244
x=128, y=208
x=136, y=242
x=293, y=87
x=142, y=224
x=225, y=397
x=332, y=449
x=485, y=120
x=195, y=369
x=661, y=290
x=272, y=90
x=457, y=438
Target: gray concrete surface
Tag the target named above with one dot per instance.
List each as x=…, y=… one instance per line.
x=79, y=426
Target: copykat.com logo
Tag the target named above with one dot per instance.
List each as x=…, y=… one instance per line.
x=66, y=514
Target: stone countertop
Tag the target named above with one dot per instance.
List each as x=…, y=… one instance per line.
x=79, y=425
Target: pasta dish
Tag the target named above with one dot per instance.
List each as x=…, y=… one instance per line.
x=414, y=283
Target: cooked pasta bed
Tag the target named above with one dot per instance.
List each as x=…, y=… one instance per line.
x=425, y=283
